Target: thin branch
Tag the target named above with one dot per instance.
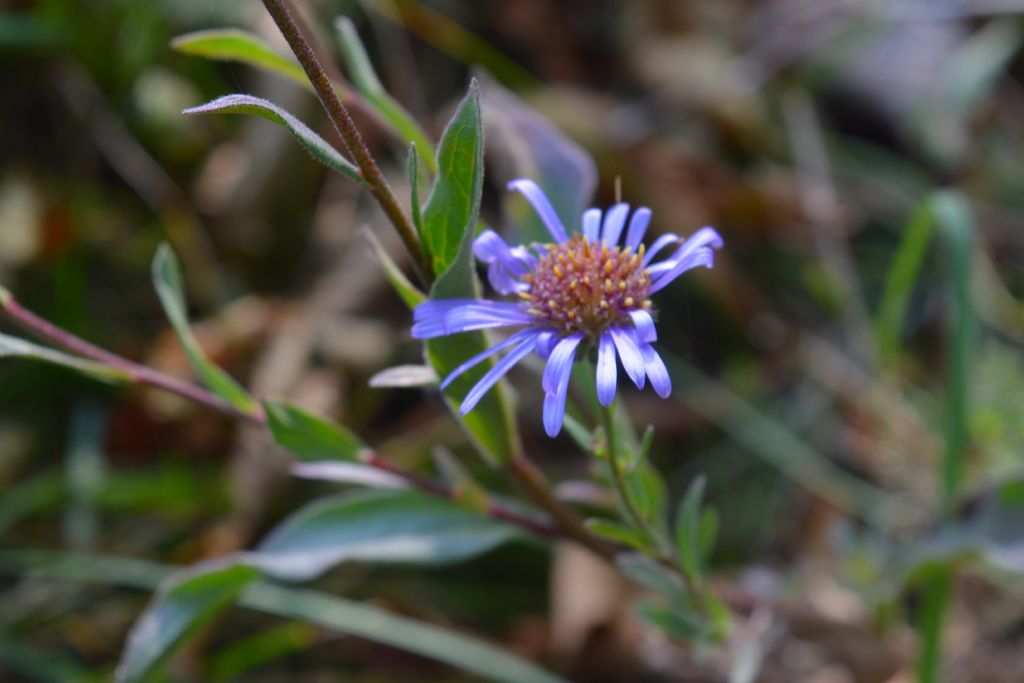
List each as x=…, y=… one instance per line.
x=141, y=374
x=285, y=19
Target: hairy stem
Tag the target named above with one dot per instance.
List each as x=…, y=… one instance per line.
x=300, y=43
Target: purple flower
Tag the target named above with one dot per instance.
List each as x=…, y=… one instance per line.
x=583, y=289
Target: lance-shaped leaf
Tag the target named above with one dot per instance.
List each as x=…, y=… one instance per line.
x=449, y=229
x=236, y=45
x=310, y=437
x=168, y=283
x=365, y=79
x=318, y=148
x=407, y=527
x=185, y=604
x=405, y=289
x=16, y=347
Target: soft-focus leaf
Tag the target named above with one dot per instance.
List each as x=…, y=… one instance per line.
x=688, y=526
x=331, y=612
x=260, y=649
x=618, y=533
x=236, y=45
x=170, y=288
x=648, y=573
x=449, y=228
x=310, y=437
x=466, y=490
x=670, y=621
x=366, y=82
x=376, y=526
x=348, y=473
x=405, y=289
x=188, y=602
x=405, y=376
x=523, y=144
x=646, y=487
x=15, y=347
x=318, y=148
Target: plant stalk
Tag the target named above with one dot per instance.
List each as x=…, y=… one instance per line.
x=285, y=18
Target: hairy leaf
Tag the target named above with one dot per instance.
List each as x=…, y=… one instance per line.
x=317, y=147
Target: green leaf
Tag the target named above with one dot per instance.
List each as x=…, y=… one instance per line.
x=906, y=264
x=412, y=172
x=670, y=621
x=651, y=575
x=618, y=533
x=376, y=526
x=330, y=612
x=169, y=287
x=523, y=144
x=450, y=226
x=261, y=648
x=310, y=437
x=317, y=147
x=366, y=82
x=688, y=529
x=405, y=289
x=16, y=347
x=187, y=603
x=646, y=488
x=451, y=212
x=236, y=45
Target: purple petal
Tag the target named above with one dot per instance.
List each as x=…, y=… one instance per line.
x=644, y=323
x=545, y=342
x=437, y=319
x=607, y=371
x=630, y=355
x=656, y=370
x=497, y=372
x=659, y=244
x=559, y=362
x=542, y=206
x=592, y=225
x=702, y=257
x=614, y=220
x=500, y=346
x=556, y=375
x=504, y=266
x=637, y=227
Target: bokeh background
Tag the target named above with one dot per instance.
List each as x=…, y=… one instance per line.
x=808, y=132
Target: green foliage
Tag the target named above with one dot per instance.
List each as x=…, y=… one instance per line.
x=368, y=526
x=236, y=45
x=449, y=226
x=15, y=347
x=178, y=610
x=169, y=287
x=406, y=290
x=369, y=86
x=310, y=437
x=376, y=526
x=317, y=147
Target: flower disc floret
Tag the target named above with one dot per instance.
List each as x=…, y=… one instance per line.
x=586, y=287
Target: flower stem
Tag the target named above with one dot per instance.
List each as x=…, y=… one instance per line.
x=533, y=482
x=288, y=22
x=615, y=467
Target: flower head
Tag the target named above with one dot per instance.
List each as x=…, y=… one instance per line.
x=592, y=288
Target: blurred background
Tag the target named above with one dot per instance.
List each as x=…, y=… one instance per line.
x=812, y=365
